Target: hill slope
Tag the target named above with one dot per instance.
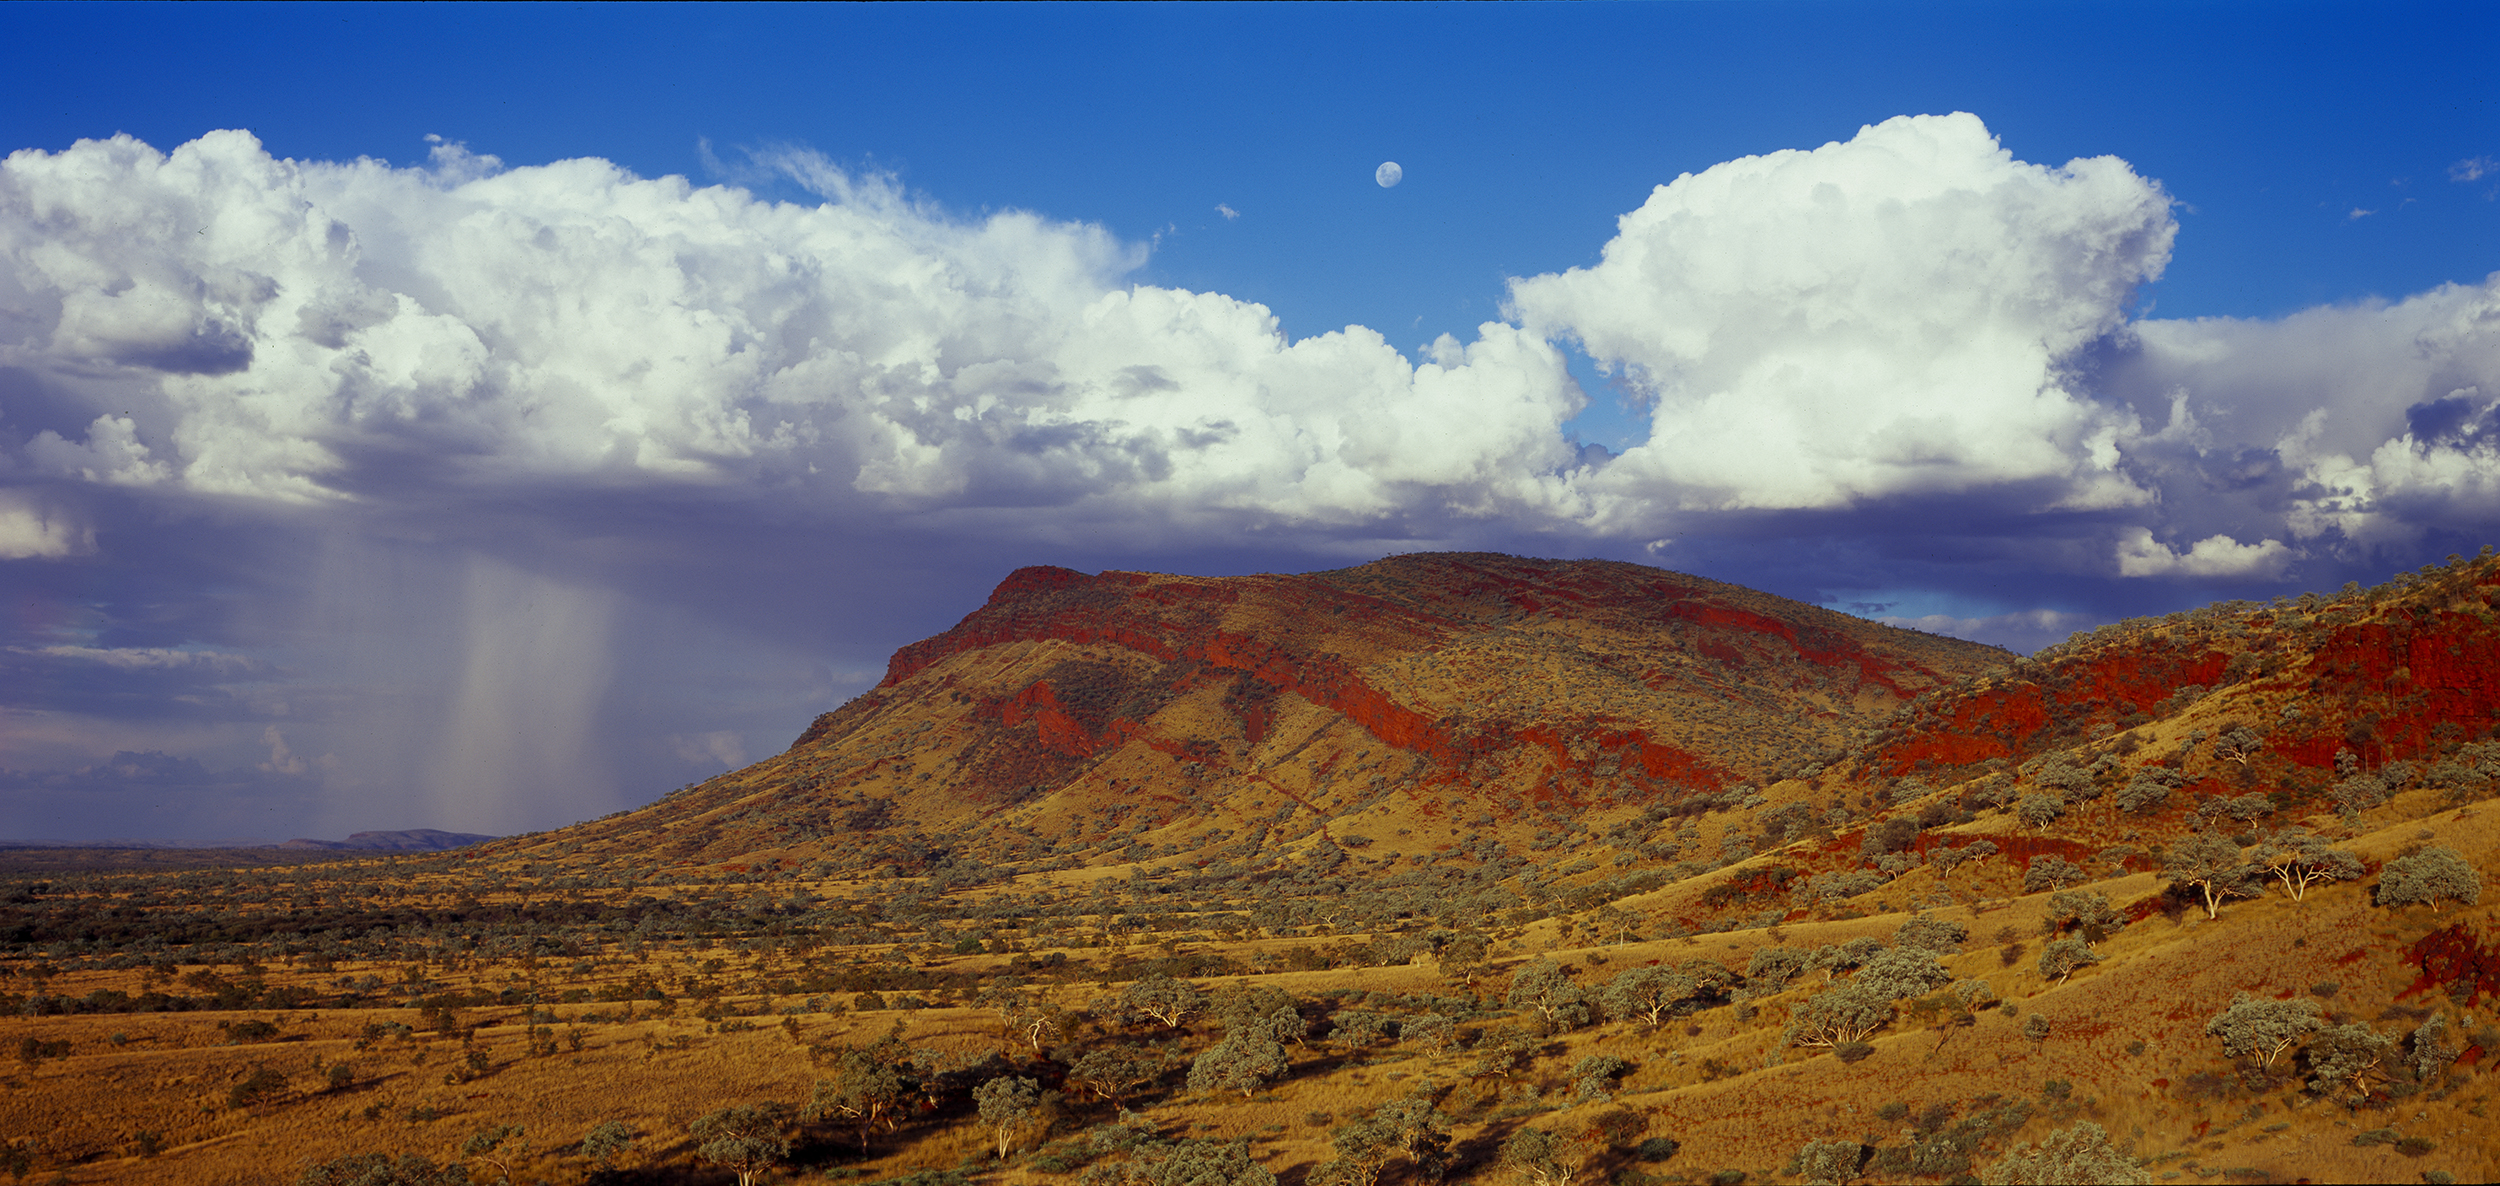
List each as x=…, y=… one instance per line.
x=1415, y=702
x=1630, y=960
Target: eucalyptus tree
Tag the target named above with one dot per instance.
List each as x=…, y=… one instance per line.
x=2212, y=865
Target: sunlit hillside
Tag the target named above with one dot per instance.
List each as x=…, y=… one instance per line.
x=1418, y=707
x=1459, y=868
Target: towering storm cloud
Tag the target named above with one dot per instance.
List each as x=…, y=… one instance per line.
x=416, y=482
x=284, y=331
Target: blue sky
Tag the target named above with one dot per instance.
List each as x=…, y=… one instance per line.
x=404, y=498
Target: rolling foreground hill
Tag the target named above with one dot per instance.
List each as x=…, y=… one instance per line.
x=1459, y=868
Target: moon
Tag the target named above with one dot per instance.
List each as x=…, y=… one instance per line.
x=1388, y=174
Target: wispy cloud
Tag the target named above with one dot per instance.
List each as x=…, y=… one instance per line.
x=155, y=658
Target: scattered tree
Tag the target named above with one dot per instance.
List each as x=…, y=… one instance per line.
x=1035, y=1023
x=261, y=1086
x=1539, y=1158
x=2238, y=744
x=1503, y=1051
x=2434, y=1048
x=745, y=1139
x=1185, y=1163
x=1828, y=1162
x=2263, y=1028
x=605, y=1141
x=1410, y=1127
x=2358, y=793
x=2037, y=812
x=1362, y=1149
x=1923, y=933
x=1902, y=973
x=2344, y=1060
x=2148, y=790
x=1774, y=967
x=1463, y=954
x=1542, y=985
x=867, y=1087
x=1164, y=999
x=1973, y=994
x=1431, y=1029
x=1841, y=957
x=1112, y=1072
x=2085, y=912
x=2083, y=1153
x=1006, y=1104
x=1888, y=835
x=2299, y=860
x=499, y=1146
x=1241, y=1062
x=2213, y=866
x=2248, y=808
x=1357, y=1028
x=2432, y=875
x=1844, y=1014
x=2061, y=957
x=379, y=1169
x=2051, y=872
x=1648, y=993
x=1594, y=1077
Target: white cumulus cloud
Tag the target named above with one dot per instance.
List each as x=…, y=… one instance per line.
x=1883, y=316
x=1911, y=314
x=2140, y=555
x=286, y=322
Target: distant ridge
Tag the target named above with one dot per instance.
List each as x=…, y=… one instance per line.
x=408, y=840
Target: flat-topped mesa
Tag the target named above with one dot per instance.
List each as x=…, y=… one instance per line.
x=1389, y=699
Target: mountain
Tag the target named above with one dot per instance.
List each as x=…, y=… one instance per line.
x=1632, y=876
x=1423, y=703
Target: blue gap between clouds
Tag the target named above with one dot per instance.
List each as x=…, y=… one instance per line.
x=1615, y=417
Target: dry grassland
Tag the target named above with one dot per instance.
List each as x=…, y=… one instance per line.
x=153, y=1097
